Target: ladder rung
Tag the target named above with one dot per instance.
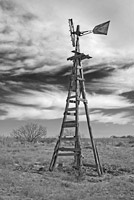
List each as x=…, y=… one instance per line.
x=71, y=97
x=72, y=101
x=69, y=149
x=80, y=79
x=79, y=67
x=73, y=89
x=70, y=113
x=69, y=124
x=80, y=99
x=71, y=109
x=68, y=138
x=66, y=154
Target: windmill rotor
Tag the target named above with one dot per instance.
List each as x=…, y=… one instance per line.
x=71, y=26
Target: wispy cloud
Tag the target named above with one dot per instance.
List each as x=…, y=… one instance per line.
x=41, y=99
x=27, y=41
x=10, y=111
x=31, y=42
x=49, y=102
x=34, y=46
x=108, y=101
x=118, y=81
x=118, y=118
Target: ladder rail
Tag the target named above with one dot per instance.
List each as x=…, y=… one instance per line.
x=95, y=152
x=55, y=153
x=77, y=142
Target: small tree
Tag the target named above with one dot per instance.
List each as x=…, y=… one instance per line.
x=30, y=133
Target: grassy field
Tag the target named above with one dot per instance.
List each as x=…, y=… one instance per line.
x=24, y=172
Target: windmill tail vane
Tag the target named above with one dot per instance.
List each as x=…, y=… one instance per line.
x=99, y=29
x=76, y=95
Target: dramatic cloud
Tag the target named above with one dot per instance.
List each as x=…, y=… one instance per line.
x=35, y=45
x=108, y=101
x=46, y=99
x=118, y=81
x=49, y=102
x=119, y=118
x=21, y=113
x=27, y=42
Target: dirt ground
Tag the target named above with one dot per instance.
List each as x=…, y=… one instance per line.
x=24, y=173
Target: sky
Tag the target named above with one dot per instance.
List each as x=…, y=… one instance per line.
x=34, y=72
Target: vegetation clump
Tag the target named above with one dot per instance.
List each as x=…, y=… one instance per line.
x=30, y=133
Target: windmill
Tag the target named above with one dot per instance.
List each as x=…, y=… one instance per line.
x=76, y=95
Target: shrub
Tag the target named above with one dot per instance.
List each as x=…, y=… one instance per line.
x=119, y=144
x=131, y=141
x=130, y=136
x=113, y=136
x=30, y=133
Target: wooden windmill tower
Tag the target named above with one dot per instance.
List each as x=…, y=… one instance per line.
x=76, y=95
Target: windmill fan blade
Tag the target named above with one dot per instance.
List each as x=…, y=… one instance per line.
x=71, y=26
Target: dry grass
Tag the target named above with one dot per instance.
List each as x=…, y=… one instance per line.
x=19, y=180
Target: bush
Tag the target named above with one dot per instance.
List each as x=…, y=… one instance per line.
x=131, y=141
x=130, y=136
x=30, y=133
x=119, y=144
